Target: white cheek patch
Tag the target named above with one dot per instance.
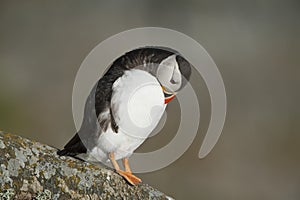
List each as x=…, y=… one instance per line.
x=176, y=77
x=168, y=73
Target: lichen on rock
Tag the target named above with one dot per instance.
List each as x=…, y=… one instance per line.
x=31, y=170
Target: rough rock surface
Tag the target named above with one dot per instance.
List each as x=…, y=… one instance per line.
x=31, y=170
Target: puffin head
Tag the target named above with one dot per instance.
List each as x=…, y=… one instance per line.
x=173, y=73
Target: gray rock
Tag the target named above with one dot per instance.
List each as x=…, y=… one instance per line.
x=31, y=170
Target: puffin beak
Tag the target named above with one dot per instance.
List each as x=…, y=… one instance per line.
x=168, y=95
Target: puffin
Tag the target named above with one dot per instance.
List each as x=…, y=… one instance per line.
x=126, y=104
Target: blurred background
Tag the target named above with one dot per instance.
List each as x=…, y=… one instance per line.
x=255, y=44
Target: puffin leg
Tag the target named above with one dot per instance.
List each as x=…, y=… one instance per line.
x=128, y=176
x=113, y=161
x=126, y=165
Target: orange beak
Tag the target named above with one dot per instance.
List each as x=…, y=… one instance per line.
x=168, y=99
x=168, y=96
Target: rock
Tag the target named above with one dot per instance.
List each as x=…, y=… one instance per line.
x=31, y=170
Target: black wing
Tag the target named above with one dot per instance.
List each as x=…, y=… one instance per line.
x=98, y=115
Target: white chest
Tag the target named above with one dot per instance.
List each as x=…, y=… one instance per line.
x=138, y=105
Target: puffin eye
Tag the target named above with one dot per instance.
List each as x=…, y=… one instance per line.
x=174, y=81
x=176, y=76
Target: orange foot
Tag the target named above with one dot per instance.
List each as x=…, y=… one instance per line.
x=132, y=179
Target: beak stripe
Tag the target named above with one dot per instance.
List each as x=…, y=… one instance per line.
x=168, y=96
x=168, y=99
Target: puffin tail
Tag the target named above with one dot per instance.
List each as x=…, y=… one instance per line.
x=73, y=147
x=65, y=152
x=61, y=152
